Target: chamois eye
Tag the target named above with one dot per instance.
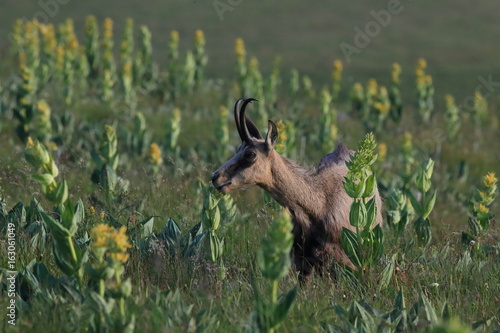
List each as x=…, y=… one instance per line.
x=249, y=155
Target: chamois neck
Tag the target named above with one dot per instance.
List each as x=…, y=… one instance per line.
x=293, y=186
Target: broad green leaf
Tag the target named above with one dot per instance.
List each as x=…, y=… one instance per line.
x=387, y=273
x=429, y=205
x=423, y=231
x=44, y=179
x=57, y=229
x=378, y=242
x=416, y=205
x=79, y=213
x=371, y=213
x=350, y=245
x=357, y=214
x=147, y=227
x=61, y=192
x=54, y=171
x=371, y=186
x=284, y=306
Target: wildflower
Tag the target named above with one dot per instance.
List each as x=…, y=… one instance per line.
x=154, y=154
x=483, y=209
x=174, y=36
x=422, y=63
x=434, y=285
x=334, y=132
x=372, y=87
x=36, y=154
x=108, y=28
x=358, y=87
x=337, y=70
x=120, y=239
x=199, y=37
x=43, y=108
x=382, y=151
x=381, y=107
x=449, y=100
x=490, y=179
x=254, y=63
x=123, y=257
x=396, y=70
x=337, y=65
x=239, y=48
x=29, y=143
x=92, y=210
x=100, y=234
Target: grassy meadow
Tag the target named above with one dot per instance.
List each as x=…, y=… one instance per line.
x=113, y=118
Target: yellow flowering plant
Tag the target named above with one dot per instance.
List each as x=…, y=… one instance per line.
x=110, y=246
x=395, y=98
x=200, y=57
x=337, y=78
x=68, y=257
x=154, y=157
x=480, y=216
x=451, y=116
x=425, y=90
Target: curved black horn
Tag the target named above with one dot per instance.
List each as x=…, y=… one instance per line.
x=237, y=117
x=247, y=127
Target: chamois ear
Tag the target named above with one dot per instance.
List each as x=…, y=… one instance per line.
x=272, y=135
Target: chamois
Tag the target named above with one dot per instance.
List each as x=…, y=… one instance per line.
x=316, y=198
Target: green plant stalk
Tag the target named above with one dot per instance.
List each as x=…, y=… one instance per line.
x=274, y=298
x=101, y=287
x=121, y=301
x=79, y=274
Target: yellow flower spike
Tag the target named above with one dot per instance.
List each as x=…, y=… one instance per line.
x=120, y=239
x=419, y=73
x=22, y=59
x=428, y=79
x=29, y=143
x=122, y=257
x=358, y=87
x=43, y=107
x=24, y=100
x=337, y=65
x=176, y=113
x=372, y=84
x=91, y=210
x=155, y=154
x=224, y=111
x=490, y=179
x=422, y=63
x=334, y=132
x=383, y=92
x=239, y=48
x=449, y=100
x=483, y=209
x=199, y=37
x=254, y=62
x=382, y=151
x=396, y=68
x=127, y=68
x=108, y=27
x=478, y=96
x=174, y=36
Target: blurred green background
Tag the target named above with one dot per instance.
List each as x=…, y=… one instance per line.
x=458, y=38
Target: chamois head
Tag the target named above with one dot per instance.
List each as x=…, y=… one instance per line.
x=251, y=163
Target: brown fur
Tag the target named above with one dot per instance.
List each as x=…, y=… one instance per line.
x=316, y=199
